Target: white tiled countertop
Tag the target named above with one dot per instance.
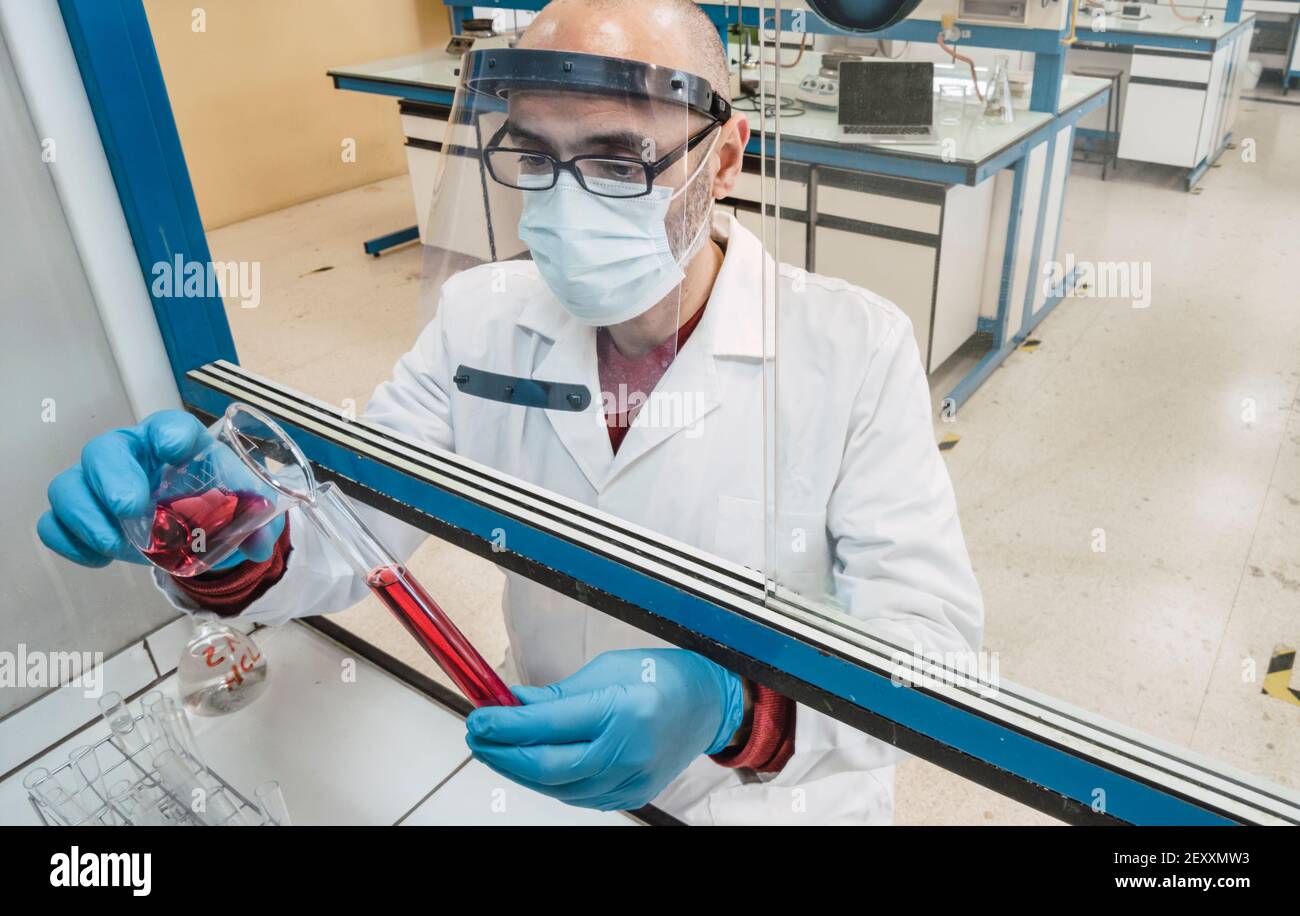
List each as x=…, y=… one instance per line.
x=363, y=749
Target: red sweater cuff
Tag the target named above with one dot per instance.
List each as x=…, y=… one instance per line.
x=228, y=592
x=771, y=736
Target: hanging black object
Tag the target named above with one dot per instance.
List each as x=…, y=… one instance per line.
x=863, y=15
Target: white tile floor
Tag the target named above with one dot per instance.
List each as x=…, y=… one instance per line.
x=1127, y=420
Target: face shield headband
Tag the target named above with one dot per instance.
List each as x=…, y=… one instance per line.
x=498, y=72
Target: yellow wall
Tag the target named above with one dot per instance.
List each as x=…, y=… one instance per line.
x=261, y=123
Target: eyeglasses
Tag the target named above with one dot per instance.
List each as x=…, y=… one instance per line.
x=604, y=176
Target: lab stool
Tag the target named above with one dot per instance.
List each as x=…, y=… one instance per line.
x=1110, y=143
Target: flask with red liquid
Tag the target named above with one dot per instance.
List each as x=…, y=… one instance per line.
x=242, y=473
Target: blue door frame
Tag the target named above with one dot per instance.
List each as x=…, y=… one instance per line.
x=124, y=82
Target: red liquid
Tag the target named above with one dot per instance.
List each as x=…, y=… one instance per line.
x=434, y=630
x=177, y=519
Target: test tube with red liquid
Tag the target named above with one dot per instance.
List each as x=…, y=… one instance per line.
x=393, y=584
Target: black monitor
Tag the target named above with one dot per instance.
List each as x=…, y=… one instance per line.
x=895, y=92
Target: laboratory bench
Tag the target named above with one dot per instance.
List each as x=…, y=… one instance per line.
x=951, y=232
x=1180, y=84
x=351, y=735
x=1276, y=42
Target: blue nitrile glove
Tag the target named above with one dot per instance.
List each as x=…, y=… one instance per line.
x=616, y=732
x=113, y=481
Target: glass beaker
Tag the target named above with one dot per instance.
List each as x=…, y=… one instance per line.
x=952, y=103
x=243, y=473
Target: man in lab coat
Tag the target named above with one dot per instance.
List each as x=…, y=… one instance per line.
x=580, y=170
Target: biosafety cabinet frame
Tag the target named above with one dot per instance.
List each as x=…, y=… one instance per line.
x=1042, y=752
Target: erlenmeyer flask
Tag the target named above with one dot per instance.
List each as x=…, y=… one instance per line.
x=997, y=96
x=221, y=670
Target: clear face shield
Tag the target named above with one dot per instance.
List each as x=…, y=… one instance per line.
x=573, y=193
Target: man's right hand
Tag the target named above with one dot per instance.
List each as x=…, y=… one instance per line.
x=112, y=482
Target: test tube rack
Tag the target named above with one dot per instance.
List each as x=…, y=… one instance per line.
x=144, y=777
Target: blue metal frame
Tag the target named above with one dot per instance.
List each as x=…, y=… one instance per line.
x=382, y=243
x=115, y=54
x=1195, y=174
x=1003, y=343
x=1035, y=255
x=1287, y=73
x=124, y=83
x=397, y=90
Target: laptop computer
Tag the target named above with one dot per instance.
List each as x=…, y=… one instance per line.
x=887, y=101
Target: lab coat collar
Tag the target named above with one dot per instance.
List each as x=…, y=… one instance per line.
x=543, y=314
x=572, y=359
x=735, y=308
x=732, y=326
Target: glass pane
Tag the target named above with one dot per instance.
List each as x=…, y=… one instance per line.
x=56, y=353
x=817, y=419
x=1105, y=518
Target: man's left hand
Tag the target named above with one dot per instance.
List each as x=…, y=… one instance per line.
x=614, y=734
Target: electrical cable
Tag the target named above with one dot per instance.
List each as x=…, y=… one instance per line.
x=790, y=107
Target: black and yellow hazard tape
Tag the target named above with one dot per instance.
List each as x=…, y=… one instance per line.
x=948, y=442
x=1033, y=343
x=1277, y=682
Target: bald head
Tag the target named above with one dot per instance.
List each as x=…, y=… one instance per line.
x=667, y=33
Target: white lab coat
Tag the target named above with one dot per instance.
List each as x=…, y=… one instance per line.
x=860, y=475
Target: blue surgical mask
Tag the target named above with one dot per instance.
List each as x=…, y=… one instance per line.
x=607, y=259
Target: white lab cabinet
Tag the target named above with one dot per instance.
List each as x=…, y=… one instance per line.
x=424, y=126
x=1180, y=82
x=921, y=245
x=1170, y=107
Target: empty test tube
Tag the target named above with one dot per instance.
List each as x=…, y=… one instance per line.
x=270, y=798
x=127, y=734
x=207, y=801
x=154, y=735
x=134, y=802
x=51, y=791
x=86, y=763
